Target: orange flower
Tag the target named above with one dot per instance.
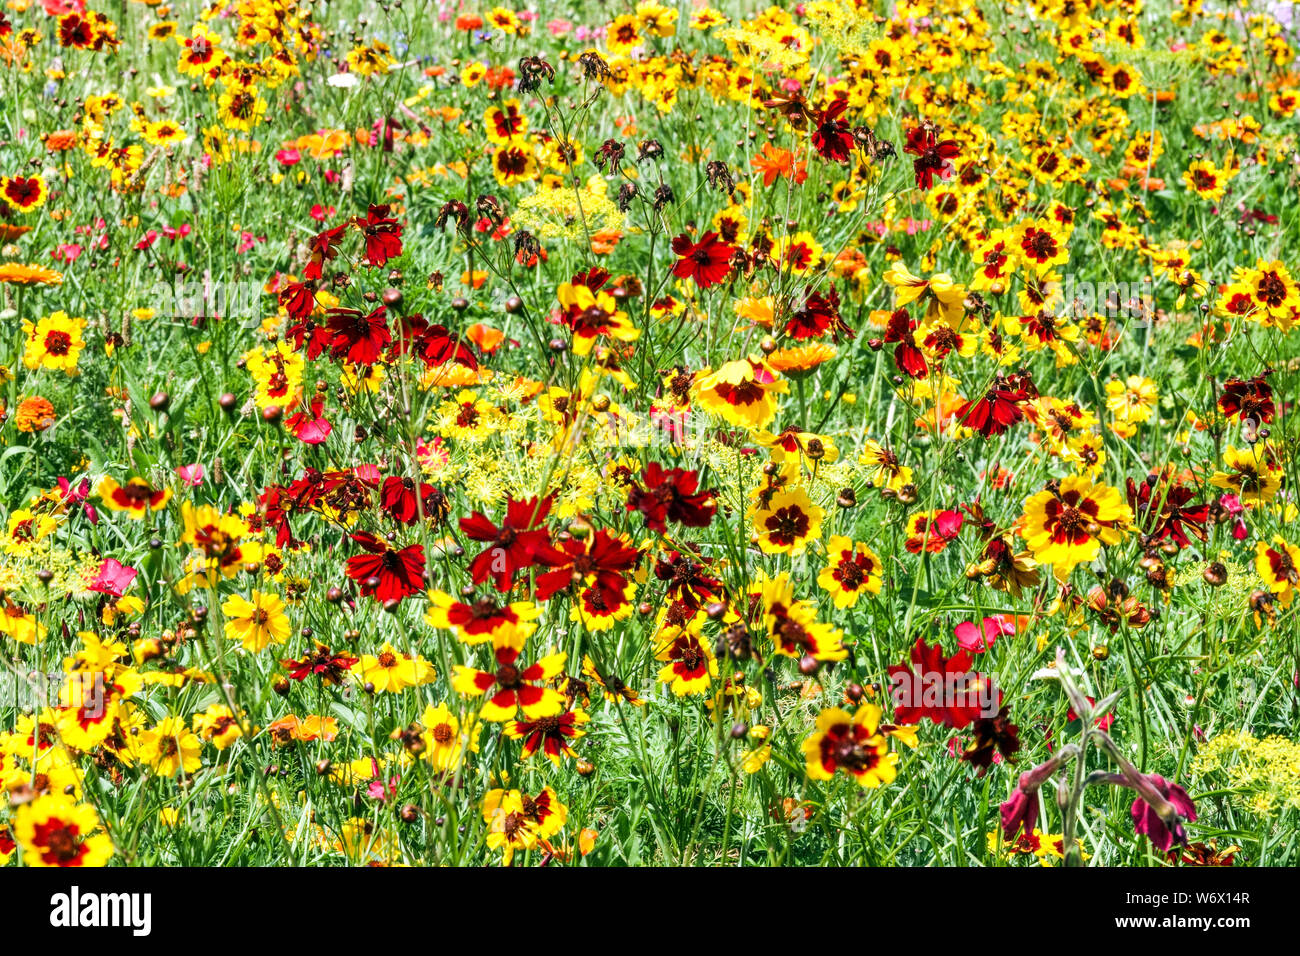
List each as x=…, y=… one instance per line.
x=605, y=242
x=16, y=273
x=60, y=140
x=288, y=729
x=35, y=414
x=485, y=337
x=774, y=162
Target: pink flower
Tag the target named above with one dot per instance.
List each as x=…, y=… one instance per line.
x=192, y=475
x=559, y=28
x=310, y=425
x=289, y=157
x=970, y=638
x=114, y=578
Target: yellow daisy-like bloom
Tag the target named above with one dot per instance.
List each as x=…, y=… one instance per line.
x=170, y=747
x=257, y=622
x=690, y=666
x=55, y=830
x=947, y=298
x=20, y=625
x=164, y=133
x=445, y=745
x=787, y=522
x=624, y=35
x=883, y=467
x=1278, y=565
x=851, y=571
x=1132, y=400
x=509, y=827
x=391, y=671
x=1066, y=527
x=1254, y=474
x=850, y=743
x=241, y=108
x=218, y=724
x=742, y=393
x=1207, y=180
x=1272, y=290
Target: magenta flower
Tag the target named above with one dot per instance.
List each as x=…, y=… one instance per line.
x=1159, y=812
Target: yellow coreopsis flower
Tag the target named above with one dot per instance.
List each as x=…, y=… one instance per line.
x=256, y=622
x=170, y=747
x=851, y=743
x=851, y=570
x=742, y=393
x=1067, y=526
x=55, y=830
x=54, y=342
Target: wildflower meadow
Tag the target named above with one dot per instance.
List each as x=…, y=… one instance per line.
x=588, y=434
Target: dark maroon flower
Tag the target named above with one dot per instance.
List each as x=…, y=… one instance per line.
x=399, y=500
x=1248, y=398
x=908, y=358
x=998, y=409
x=990, y=734
x=602, y=562
x=331, y=668
x=831, y=136
x=323, y=247
x=932, y=157
x=942, y=689
x=1163, y=821
x=688, y=582
x=820, y=315
x=1163, y=510
x=672, y=494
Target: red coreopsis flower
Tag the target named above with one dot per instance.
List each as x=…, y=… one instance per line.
x=671, y=494
x=820, y=315
x=516, y=686
x=554, y=736
x=1162, y=508
x=331, y=668
x=932, y=156
x=437, y=346
x=323, y=247
x=358, y=337
x=707, y=262
x=944, y=690
x=908, y=357
x=602, y=562
x=1248, y=398
x=387, y=573
x=22, y=192
x=383, y=235
x=831, y=135
x=520, y=541
x=400, y=501
x=999, y=408
x=687, y=580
